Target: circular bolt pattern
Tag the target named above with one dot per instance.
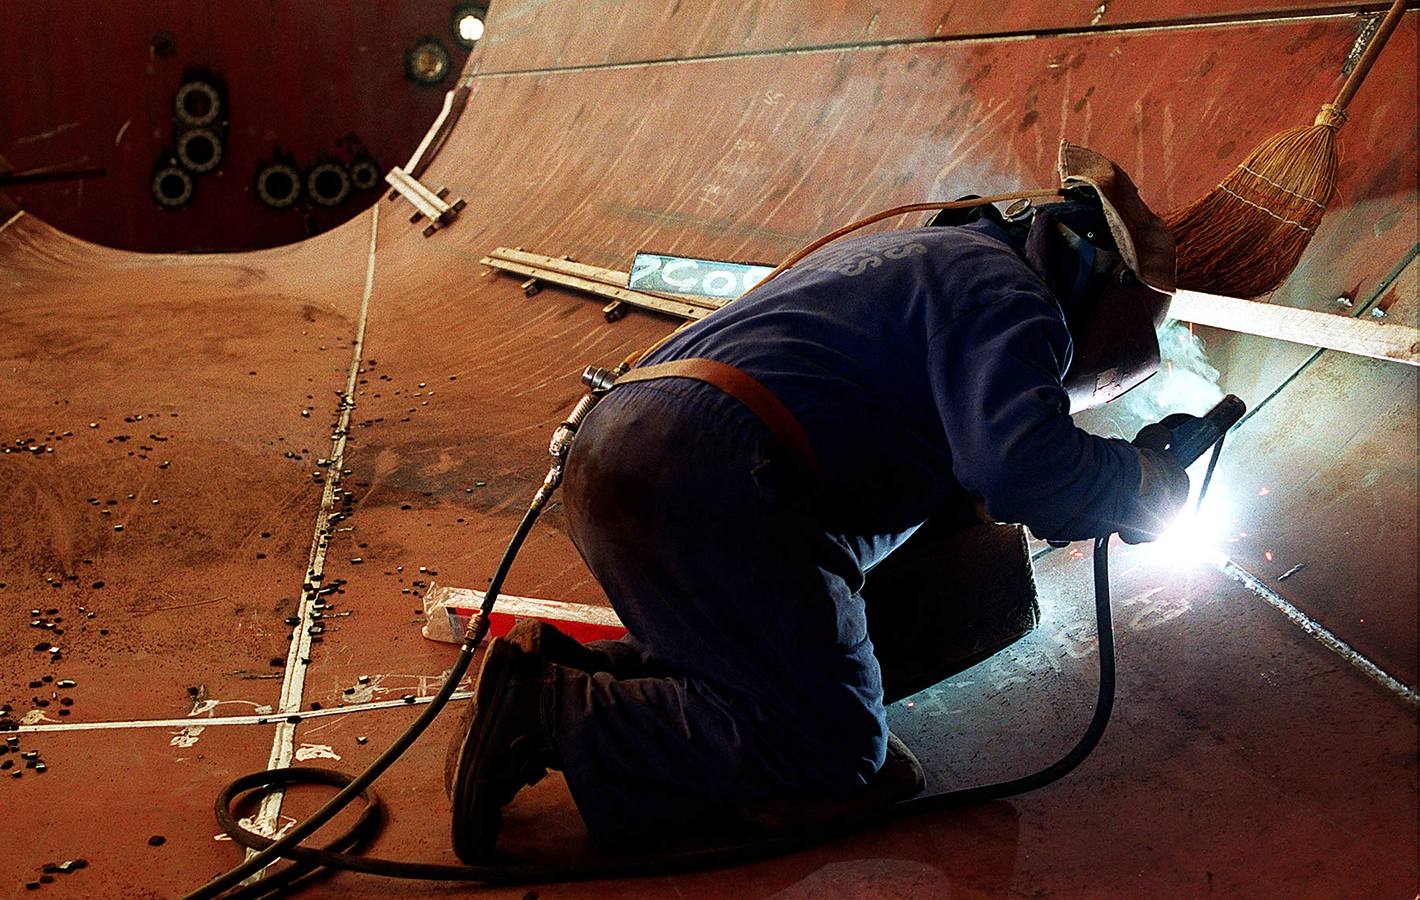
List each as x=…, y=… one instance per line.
x=328, y=183
x=200, y=150
x=172, y=187
x=364, y=174
x=197, y=103
x=278, y=185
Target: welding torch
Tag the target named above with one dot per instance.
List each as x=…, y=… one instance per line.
x=1185, y=438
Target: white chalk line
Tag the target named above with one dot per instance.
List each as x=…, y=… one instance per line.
x=294, y=683
x=262, y=719
x=12, y=220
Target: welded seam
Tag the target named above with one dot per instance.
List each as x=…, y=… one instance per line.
x=1259, y=587
x=1321, y=633
x=11, y=221
x=1296, y=373
x=254, y=719
x=283, y=746
x=1149, y=27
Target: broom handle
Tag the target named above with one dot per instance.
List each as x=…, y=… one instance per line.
x=1368, y=58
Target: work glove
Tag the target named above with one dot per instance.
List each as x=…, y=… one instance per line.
x=1163, y=486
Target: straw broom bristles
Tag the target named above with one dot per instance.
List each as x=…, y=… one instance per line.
x=1243, y=238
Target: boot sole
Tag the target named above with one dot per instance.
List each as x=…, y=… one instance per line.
x=476, y=818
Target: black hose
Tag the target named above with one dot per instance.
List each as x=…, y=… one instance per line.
x=307, y=859
x=308, y=862
x=358, y=785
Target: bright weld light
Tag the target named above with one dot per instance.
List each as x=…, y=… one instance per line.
x=470, y=28
x=1196, y=535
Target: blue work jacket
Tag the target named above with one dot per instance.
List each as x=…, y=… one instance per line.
x=926, y=366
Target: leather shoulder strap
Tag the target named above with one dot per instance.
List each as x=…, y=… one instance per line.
x=746, y=389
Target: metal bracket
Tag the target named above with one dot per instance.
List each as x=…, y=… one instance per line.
x=427, y=204
x=1363, y=40
x=609, y=283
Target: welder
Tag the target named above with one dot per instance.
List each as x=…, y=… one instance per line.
x=732, y=490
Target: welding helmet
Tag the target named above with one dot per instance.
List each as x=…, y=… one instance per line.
x=1107, y=258
x=1115, y=275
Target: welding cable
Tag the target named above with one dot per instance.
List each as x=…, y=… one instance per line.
x=287, y=845
x=307, y=859
x=1208, y=476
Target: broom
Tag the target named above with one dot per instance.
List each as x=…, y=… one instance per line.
x=1246, y=236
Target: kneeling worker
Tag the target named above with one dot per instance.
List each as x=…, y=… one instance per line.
x=731, y=506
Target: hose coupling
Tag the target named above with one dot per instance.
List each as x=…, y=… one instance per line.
x=562, y=438
x=600, y=380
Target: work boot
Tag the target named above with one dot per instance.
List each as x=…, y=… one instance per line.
x=899, y=779
x=544, y=641
x=504, y=744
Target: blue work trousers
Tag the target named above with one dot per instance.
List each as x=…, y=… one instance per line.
x=748, y=673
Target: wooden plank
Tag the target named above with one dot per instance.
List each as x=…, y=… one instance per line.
x=1364, y=337
x=632, y=298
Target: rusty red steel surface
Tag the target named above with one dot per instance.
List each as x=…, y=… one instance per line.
x=106, y=794
x=1238, y=739
x=83, y=87
x=533, y=35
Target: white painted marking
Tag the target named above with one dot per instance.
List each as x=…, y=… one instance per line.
x=250, y=824
x=10, y=221
x=293, y=685
x=206, y=707
x=265, y=719
x=315, y=751
x=187, y=737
